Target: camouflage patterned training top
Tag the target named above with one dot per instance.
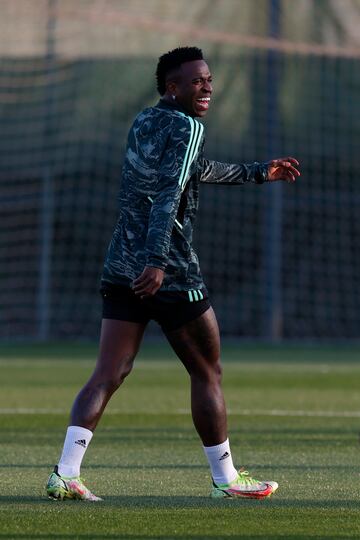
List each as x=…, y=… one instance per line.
x=159, y=193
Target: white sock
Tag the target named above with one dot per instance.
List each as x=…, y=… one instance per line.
x=221, y=463
x=76, y=442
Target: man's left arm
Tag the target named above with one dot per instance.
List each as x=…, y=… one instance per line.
x=215, y=172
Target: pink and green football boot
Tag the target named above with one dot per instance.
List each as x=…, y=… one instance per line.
x=245, y=487
x=60, y=488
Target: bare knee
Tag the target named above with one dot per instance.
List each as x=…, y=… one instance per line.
x=112, y=376
x=209, y=372
x=123, y=371
x=218, y=370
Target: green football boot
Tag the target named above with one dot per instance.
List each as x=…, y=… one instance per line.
x=245, y=487
x=60, y=488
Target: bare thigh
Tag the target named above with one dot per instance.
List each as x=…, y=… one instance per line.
x=197, y=344
x=119, y=344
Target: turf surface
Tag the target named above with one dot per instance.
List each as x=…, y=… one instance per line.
x=294, y=417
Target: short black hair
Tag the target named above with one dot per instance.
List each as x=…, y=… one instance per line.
x=173, y=60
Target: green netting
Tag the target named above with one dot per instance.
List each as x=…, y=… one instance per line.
x=280, y=261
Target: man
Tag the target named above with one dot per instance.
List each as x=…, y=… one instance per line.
x=152, y=272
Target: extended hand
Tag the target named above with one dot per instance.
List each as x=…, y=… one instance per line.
x=148, y=282
x=283, y=169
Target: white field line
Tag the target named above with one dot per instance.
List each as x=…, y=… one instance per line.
x=242, y=412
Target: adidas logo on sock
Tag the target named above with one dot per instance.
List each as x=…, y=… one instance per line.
x=81, y=442
x=224, y=456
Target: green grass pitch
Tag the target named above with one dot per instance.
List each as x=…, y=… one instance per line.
x=294, y=417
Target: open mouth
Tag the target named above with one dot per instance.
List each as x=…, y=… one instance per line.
x=203, y=103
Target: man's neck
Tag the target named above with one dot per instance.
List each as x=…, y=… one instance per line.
x=168, y=101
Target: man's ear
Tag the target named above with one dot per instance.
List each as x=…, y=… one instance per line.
x=171, y=88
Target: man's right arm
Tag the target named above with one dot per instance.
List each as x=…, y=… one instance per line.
x=174, y=171
x=182, y=146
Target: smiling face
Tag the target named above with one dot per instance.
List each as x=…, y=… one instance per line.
x=191, y=84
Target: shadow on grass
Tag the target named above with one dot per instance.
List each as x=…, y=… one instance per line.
x=135, y=466
x=266, y=536
x=195, y=466
x=177, y=502
x=166, y=537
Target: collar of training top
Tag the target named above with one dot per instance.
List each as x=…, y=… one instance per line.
x=165, y=104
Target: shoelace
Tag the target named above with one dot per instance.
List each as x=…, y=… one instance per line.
x=82, y=482
x=77, y=479
x=246, y=478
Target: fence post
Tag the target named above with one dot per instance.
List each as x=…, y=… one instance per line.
x=273, y=316
x=47, y=195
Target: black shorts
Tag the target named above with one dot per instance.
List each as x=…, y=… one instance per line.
x=170, y=309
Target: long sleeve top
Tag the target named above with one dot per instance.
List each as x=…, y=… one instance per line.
x=163, y=168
